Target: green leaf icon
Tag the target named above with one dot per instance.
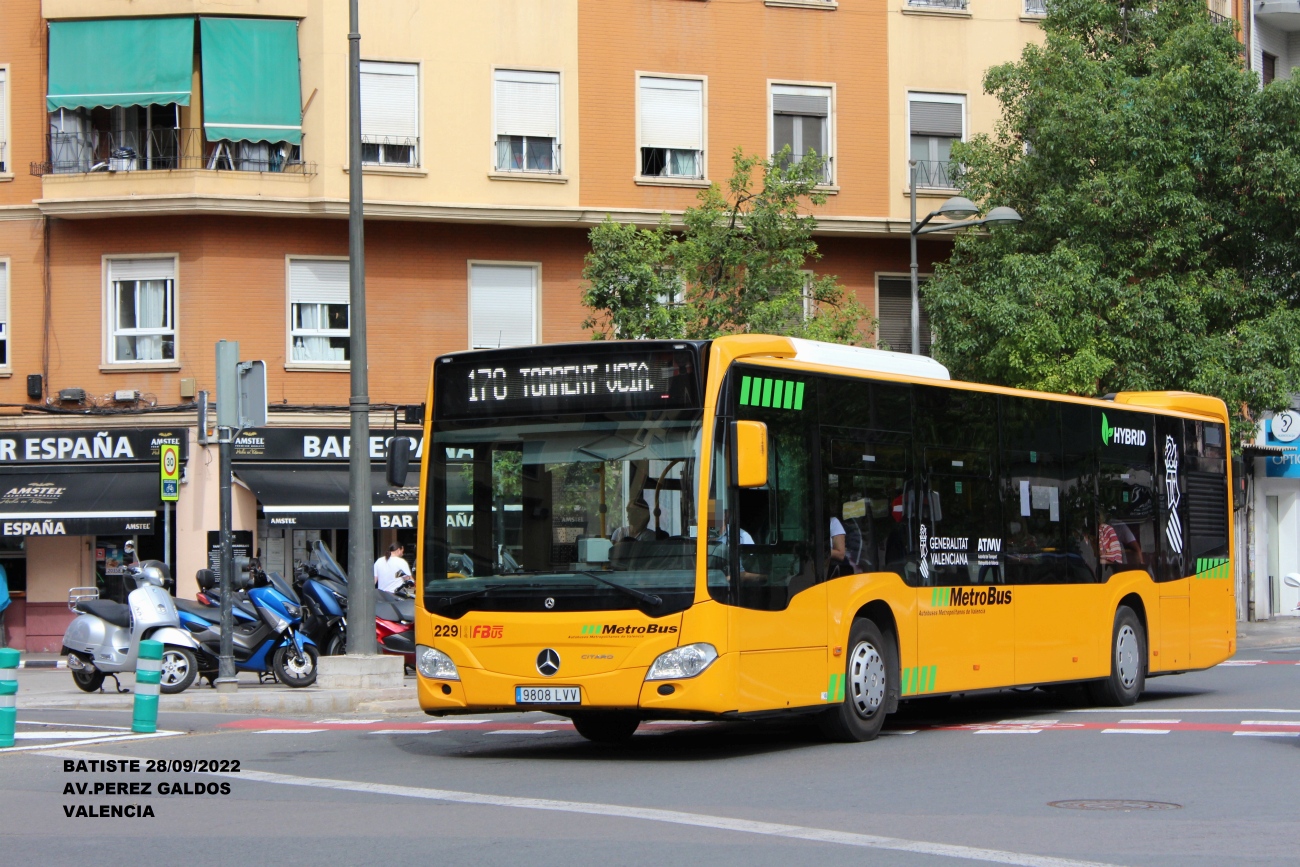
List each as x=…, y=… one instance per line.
x=1106, y=430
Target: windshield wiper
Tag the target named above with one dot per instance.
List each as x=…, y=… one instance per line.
x=448, y=601
x=647, y=598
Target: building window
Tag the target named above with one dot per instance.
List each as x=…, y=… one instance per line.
x=390, y=113
x=319, y=293
x=801, y=120
x=894, y=315
x=1269, y=69
x=142, y=301
x=672, y=127
x=503, y=305
x=4, y=312
x=527, y=121
x=1035, y=7
x=935, y=121
x=4, y=122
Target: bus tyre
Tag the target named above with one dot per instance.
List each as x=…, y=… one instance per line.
x=1127, y=663
x=868, y=677
x=606, y=727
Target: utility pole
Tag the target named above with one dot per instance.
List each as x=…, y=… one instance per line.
x=916, y=295
x=361, y=586
x=227, y=423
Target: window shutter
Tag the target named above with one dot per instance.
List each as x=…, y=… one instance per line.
x=4, y=292
x=803, y=101
x=528, y=103
x=503, y=304
x=936, y=118
x=4, y=135
x=390, y=100
x=672, y=113
x=318, y=281
x=141, y=269
x=894, y=315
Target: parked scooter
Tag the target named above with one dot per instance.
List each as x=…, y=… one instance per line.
x=324, y=590
x=394, y=614
x=267, y=638
x=104, y=640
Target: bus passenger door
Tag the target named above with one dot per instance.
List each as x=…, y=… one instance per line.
x=779, y=623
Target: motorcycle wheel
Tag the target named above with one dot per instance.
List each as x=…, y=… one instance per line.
x=88, y=680
x=337, y=645
x=179, y=668
x=294, y=671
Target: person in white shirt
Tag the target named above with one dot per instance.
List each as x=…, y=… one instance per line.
x=391, y=571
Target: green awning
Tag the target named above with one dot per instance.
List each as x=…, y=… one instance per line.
x=120, y=61
x=250, y=80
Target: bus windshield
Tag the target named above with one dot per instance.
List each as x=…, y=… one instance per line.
x=565, y=513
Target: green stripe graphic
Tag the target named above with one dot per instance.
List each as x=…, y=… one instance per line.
x=798, y=396
x=767, y=392
x=1213, y=567
x=777, y=387
x=744, y=391
x=773, y=393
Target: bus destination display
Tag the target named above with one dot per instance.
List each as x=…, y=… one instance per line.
x=493, y=385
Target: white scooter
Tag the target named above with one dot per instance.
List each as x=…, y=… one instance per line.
x=105, y=639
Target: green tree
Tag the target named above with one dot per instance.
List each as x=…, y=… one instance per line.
x=738, y=265
x=1159, y=189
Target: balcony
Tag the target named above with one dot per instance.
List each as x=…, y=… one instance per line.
x=147, y=150
x=1221, y=11
x=936, y=175
x=946, y=5
x=1035, y=8
x=1281, y=14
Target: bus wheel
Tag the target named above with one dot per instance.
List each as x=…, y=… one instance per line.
x=606, y=727
x=868, y=673
x=1127, y=663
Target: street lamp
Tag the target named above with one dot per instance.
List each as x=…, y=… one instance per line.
x=958, y=210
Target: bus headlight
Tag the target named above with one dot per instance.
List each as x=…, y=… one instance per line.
x=682, y=662
x=435, y=664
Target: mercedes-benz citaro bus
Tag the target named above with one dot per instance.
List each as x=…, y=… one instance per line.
x=755, y=526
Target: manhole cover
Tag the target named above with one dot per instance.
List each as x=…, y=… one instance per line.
x=1113, y=804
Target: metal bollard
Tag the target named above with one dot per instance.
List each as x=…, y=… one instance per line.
x=148, y=672
x=8, y=695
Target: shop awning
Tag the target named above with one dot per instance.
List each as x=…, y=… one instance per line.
x=121, y=61
x=315, y=497
x=250, y=80
x=73, y=501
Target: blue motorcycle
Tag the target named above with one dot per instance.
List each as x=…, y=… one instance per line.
x=267, y=635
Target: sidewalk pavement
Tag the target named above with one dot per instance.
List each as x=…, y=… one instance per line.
x=42, y=687
x=1264, y=634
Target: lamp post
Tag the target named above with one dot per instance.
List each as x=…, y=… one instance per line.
x=959, y=210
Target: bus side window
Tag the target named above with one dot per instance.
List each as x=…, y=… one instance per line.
x=1171, y=495
x=1079, y=493
x=1126, y=533
x=1033, y=506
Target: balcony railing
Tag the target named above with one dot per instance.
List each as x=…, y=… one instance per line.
x=1035, y=7
x=939, y=4
x=937, y=174
x=136, y=150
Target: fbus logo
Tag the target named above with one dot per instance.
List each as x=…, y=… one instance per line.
x=484, y=630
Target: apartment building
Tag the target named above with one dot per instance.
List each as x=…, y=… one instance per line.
x=174, y=173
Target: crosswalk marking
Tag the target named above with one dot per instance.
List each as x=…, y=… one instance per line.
x=288, y=731
x=1135, y=731
x=1267, y=734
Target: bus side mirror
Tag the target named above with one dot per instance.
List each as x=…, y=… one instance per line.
x=751, y=453
x=398, y=461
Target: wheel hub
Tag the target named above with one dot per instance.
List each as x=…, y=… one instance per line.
x=1127, y=664
x=174, y=668
x=866, y=679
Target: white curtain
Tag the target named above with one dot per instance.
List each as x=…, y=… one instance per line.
x=151, y=312
x=311, y=317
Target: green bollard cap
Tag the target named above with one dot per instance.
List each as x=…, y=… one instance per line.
x=150, y=649
x=9, y=657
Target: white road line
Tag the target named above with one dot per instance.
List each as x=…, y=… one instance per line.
x=1135, y=731
x=1029, y=722
x=1014, y=731
x=107, y=739
x=520, y=732
x=679, y=722
x=287, y=731
x=28, y=722
x=1270, y=722
x=554, y=722
x=650, y=814
x=1188, y=710
x=404, y=732
x=1146, y=722
x=458, y=722
x=909, y=732
x=348, y=722
x=58, y=735
x=1266, y=734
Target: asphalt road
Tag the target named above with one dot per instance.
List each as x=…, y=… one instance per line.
x=967, y=781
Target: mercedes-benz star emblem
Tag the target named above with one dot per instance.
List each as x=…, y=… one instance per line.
x=548, y=662
x=549, y=603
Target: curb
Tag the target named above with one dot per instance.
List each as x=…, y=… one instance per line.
x=304, y=701
x=43, y=663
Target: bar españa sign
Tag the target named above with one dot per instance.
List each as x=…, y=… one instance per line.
x=169, y=468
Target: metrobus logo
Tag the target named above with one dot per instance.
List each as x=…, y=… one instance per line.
x=1121, y=436
x=616, y=629
x=952, y=597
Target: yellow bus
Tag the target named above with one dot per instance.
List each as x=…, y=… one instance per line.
x=755, y=526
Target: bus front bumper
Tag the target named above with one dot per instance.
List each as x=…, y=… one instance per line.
x=710, y=693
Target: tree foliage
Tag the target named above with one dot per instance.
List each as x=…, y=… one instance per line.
x=1160, y=190
x=737, y=265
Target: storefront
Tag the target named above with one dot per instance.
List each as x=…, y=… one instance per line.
x=1276, y=517
x=69, y=501
x=300, y=478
